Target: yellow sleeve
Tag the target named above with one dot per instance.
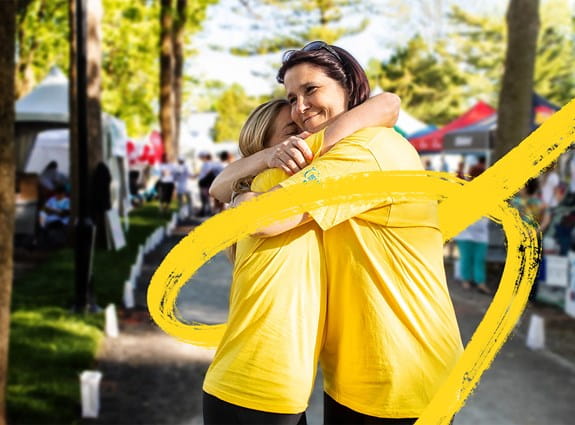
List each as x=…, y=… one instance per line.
x=315, y=142
x=350, y=155
x=269, y=178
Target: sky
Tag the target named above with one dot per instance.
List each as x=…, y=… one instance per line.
x=225, y=26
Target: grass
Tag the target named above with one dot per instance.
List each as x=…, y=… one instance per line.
x=49, y=345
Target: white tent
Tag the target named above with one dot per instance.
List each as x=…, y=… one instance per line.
x=47, y=107
x=50, y=145
x=408, y=123
x=42, y=135
x=48, y=102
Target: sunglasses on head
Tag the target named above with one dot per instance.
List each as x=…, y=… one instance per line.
x=310, y=47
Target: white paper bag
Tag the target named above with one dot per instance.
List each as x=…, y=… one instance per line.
x=111, y=321
x=90, y=393
x=536, y=333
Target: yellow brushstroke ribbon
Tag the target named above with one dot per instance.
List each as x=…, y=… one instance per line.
x=461, y=204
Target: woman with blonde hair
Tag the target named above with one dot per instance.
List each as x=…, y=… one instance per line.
x=264, y=367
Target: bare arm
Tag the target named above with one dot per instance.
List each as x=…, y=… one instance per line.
x=294, y=154
x=291, y=156
x=221, y=187
x=380, y=110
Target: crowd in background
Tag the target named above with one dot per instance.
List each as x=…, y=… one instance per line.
x=186, y=181
x=547, y=202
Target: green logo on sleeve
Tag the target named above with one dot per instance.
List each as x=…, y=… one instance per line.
x=311, y=175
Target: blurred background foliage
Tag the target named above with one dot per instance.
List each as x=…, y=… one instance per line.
x=455, y=57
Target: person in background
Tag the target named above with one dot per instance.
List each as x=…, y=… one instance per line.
x=572, y=174
x=551, y=188
x=56, y=211
x=460, y=172
x=49, y=178
x=444, y=167
x=54, y=218
x=472, y=244
x=478, y=168
x=534, y=212
x=225, y=159
x=181, y=177
x=206, y=176
x=134, y=188
x=165, y=184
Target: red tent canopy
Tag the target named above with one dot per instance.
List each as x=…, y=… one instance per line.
x=433, y=142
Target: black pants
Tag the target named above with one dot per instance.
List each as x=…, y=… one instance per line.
x=337, y=414
x=219, y=412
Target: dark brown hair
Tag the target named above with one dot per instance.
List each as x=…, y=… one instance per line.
x=344, y=69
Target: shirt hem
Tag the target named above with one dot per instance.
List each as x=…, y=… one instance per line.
x=291, y=409
x=368, y=410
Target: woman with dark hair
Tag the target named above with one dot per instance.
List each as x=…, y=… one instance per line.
x=293, y=154
x=337, y=64
x=391, y=334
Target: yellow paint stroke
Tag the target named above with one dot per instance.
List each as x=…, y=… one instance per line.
x=502, y=180
x=486, y=194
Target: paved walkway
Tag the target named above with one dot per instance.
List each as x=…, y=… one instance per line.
x=150, y=378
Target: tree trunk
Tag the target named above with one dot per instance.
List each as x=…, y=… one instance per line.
x=94, y=18
x=7, y=73
x=514, y=111
x=94, y=110
x=73, y=118
x=178, y=40
x=166, y=79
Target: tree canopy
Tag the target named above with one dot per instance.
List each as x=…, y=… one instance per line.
x=42, y=41
x=430, y=84
x=437, y=81
x=233, y=108
x=291, y=23
x=130, y=46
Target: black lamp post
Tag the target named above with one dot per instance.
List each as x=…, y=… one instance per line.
x=83, y=226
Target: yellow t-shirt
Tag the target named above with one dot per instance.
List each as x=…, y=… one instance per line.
x=391, y=333
x=268, y=355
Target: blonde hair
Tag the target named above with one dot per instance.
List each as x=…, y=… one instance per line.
x=259, y=126
x=254, y=135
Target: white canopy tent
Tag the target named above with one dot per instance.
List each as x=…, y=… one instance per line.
x=48, y=102
x=42, y=135
x=406, y=122
x=50, y=145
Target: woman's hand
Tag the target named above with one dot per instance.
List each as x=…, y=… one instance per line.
x=291, y=155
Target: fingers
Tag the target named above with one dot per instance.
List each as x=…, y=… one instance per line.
x=291, y=155
x=303, y=146
x=298, y=150
x=284, y=161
